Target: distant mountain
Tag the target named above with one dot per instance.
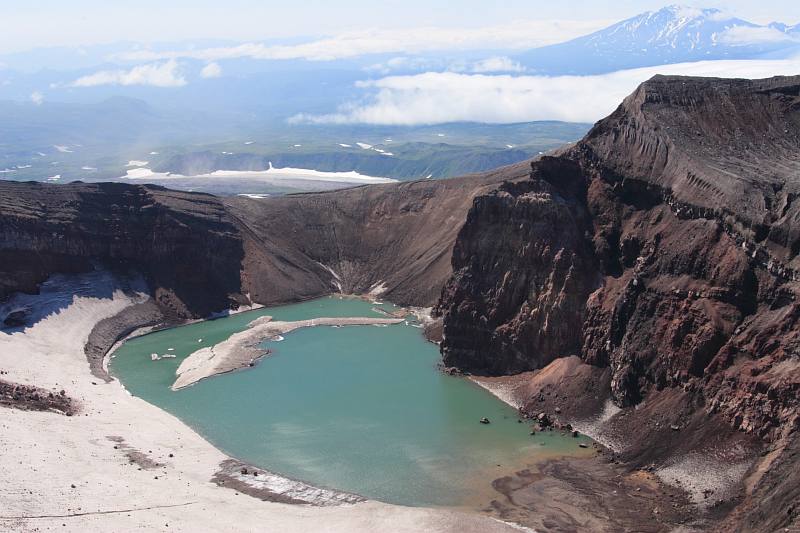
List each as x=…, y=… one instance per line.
x=780, y=26
x=674, y=34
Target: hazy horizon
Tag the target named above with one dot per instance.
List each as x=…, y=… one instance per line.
x=51, y=23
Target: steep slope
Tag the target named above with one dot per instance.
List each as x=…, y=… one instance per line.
x=393, y=239
x=662, y=247
x=186, y=245
x=201, y=254
x=522, y=272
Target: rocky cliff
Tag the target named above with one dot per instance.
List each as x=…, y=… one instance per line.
x=394, y=240
x=201, y=254
x=663, y=247
x=185, y=245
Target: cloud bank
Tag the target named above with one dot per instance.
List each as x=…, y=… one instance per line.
x=440, y=97
x=164, y=74
x=744, y=35
x=497, y=64
x=515, y=36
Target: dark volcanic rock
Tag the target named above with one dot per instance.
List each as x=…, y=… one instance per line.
x=523, y=269
x=398, y=237
x=626, y=261
x=109, y=330
x=689, y=282
x=202, y=254
x=30, y=398
x=185, y=244
x=16, y=318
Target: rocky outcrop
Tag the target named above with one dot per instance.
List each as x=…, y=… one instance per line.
x=201, y=254
x=394, y=240
x=632, y=261
x=186, y=245
x=676, y=227
x=523, y=269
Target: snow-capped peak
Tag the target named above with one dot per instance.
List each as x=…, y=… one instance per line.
x=672, y=34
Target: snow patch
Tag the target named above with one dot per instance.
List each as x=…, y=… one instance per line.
x=336, y=281
x=271, y=173
x=377, y=289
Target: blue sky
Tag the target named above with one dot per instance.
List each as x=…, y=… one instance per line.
x=29, y=24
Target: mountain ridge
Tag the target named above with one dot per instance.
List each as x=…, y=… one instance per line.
x=673, y=34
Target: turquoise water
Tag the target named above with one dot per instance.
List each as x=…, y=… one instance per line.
x=362, y=408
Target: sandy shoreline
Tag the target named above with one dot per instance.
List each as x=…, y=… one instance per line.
x=242, y=349
x=121, y=464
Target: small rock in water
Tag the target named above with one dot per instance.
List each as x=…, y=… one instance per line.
x=582, y=445
x=484, y=420
x=544, y=420
x=575, y=433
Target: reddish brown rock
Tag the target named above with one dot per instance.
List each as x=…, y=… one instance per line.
x=676, y=225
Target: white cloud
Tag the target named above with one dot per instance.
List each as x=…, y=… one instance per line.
x=439, y=97
x=37, y=97
x=517, y=35
x=744, y=35
x=406, y=63
x=497, y=64
x=212, y=70
x=164, y=74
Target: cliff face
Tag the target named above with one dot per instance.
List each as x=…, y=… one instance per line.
x=523, y=269
x=395, y=239
x=185, y=245
x=202, y=254
x=661, y=246
x=662, y=250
